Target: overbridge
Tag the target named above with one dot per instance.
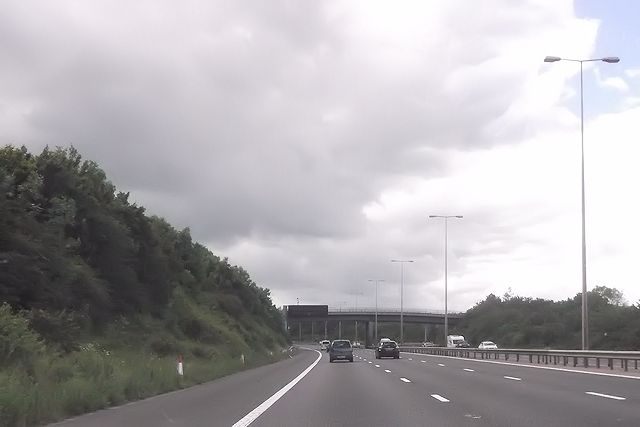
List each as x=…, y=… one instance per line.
x=319, y=317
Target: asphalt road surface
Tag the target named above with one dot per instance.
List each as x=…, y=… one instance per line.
x=416, y=390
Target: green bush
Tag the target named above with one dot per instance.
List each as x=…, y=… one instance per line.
x=59, y=329
x=164, y=346
x=19, y=345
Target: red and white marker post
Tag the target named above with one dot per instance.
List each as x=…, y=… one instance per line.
x=180, y=366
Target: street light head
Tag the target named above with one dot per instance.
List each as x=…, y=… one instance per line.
x=611, y=59
x=552, y=59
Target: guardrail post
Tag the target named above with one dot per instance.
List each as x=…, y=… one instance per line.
x=597, y=362
x=565, y=360
x=575, y=361
x=586, y=362
x=531, y=358
x=610, y=362
x=517, y=357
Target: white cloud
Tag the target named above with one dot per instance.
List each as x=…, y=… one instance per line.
x=309, y=141
x=632, y=72
x=617, y=83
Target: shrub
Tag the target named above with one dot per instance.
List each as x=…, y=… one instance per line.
x=18, y=343
x=165, y=346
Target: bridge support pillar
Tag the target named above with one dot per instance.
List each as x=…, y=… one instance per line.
x=356, y=337
x=369, y=338
x=339, y=329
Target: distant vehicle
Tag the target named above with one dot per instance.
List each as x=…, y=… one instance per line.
x=487, y=345
x=387, y=349
x=324, y=344
x=385, y=339
x=428, y=344
x=356, y=344
x=340, y=350
x=456, y=341
x=463, y=344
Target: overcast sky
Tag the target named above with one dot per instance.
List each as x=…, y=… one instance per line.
x=309, y=141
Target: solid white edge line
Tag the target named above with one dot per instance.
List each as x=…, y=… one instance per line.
x=512, y=378
x=440, y=398
x=260, y=409
x=403, y=379
x=549, y=368
x=608, y=396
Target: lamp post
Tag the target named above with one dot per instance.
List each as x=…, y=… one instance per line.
x=376, y=281
x=585, y=308
x=402, y=263
x=446, y=293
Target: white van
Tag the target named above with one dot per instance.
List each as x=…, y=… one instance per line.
x=324, y=344
x=455, y=340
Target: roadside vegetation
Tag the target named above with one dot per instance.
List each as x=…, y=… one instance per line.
x=519, y=322
x=98, y=299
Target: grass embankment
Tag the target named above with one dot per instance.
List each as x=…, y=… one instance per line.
x=38, y=385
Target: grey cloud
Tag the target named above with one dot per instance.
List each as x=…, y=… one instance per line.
x=263, y=122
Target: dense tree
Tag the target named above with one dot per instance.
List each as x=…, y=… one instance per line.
x=72, y=249
x=518, y=322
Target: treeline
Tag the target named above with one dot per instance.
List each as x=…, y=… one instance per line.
x=519, y=322
x=97, y=299
x=77, y=256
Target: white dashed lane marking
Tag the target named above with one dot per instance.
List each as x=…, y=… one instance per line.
x=410, y=359
x=469, y=370
x=440, y=398
x=377, y=366
x=512, y=378
x=440, y=364
x=405, y=380
x=423, y=361
x=387, y=371
x=608, y=396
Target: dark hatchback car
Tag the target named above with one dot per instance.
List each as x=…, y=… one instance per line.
x=340, y=350
x=387, y=349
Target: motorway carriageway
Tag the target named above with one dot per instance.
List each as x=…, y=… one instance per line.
x=416, y=390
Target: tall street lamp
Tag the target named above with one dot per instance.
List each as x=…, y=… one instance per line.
x=376, y=281
x=446, y=294
x=585, y=308
x=402, y=263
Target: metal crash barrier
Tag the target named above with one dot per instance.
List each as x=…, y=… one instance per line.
x=547, y=357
